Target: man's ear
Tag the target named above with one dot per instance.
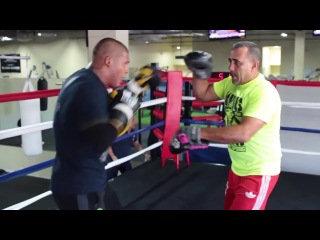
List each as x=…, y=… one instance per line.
x=107, y=60
x=256, y=65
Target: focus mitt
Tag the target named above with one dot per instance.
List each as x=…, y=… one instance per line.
x=200, y=64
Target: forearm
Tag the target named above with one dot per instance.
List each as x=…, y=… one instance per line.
x=200, y=87
x=101, y=136
x=230, y=134
x=137, y=145
x=203, y=90
x=111, y=153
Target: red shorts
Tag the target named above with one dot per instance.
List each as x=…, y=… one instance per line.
x=248, y=192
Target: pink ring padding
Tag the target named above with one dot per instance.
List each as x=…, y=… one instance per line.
x=173, y=113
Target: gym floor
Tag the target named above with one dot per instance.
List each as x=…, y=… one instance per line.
x=149, y=186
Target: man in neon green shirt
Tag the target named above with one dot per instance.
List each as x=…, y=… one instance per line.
x=252, y=132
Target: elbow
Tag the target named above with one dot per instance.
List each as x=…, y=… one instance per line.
x=101, y=136
x=196, y=95
x=235, y=140
x=200, y=96
x=231, y=134
x=205, y=95
x=245, y=137
x=239, y=136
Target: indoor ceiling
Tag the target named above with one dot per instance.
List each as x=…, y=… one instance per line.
x=202, y=35
x=46, y=35
x=143, y=35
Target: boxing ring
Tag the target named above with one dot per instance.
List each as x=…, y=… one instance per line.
x=187, y=182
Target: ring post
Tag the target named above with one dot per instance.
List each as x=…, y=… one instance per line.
x=172, y=114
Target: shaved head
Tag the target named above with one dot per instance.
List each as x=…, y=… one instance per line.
x=108, y=47
x=110, y=60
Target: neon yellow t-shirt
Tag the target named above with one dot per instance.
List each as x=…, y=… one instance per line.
x=261, y=155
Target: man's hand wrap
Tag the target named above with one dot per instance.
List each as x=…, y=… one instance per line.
x=200, y=64
x=187, y=138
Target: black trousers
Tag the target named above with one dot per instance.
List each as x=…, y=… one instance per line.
x=155, y=153
x=104, y=200
x=113, y=172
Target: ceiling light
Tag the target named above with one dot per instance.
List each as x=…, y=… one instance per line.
x=198, y=34
x=5, y=39
x=47, y=34
x=283, y=35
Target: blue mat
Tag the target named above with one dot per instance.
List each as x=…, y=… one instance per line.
x=211, y=155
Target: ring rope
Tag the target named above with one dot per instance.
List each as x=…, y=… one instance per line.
x=49, y=163
x=46, y=93
x=112, y=164
x=284, y=150
x=159, y=124
x=13, y=132
x=47, y=125
x=28, y=202
x=301, y=104
x=190, y=121
x=125, y=159
x=26, y=171
x=300, y=129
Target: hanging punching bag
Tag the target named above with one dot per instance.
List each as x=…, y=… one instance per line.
x=30, y=114
x=43, y=85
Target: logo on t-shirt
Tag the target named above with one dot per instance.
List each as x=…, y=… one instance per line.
x=234, y=114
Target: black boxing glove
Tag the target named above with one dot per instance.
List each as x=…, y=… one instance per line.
x=187, y=138
x=200, y=64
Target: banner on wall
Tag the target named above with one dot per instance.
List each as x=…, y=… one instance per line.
x=10, y=65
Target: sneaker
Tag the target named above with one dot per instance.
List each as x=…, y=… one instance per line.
x=212, y=110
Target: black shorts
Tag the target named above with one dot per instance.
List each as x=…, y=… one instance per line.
x=104, y=200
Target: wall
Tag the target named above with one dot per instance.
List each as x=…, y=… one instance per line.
x=312, y=54
x=220, y=51
x=164, y=54
x=64, y=56
x=68, y=55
